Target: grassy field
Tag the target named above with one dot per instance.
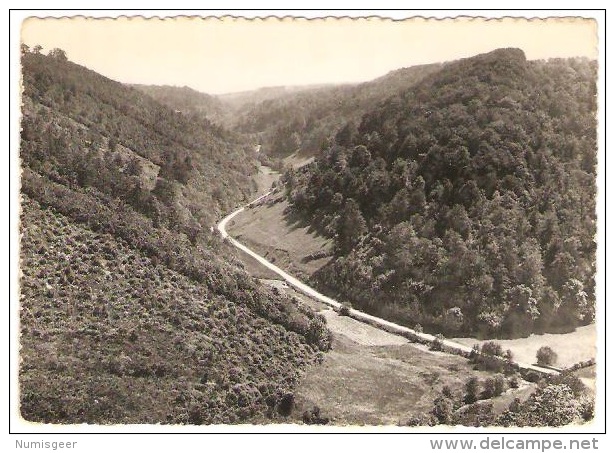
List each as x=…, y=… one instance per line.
x=297, y=160
x=570, y=347
x=253, y=267
x=374, y=378
x=265, y=178
x=266, y=230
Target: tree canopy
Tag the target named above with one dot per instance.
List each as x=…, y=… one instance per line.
x=477, y=190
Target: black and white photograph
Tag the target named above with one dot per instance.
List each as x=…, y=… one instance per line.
x=334, y=223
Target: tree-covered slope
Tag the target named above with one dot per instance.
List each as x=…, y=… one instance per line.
x=82, y=128
x=186, y=100
x=466, y=203
x=129, y=312
x=306, y=120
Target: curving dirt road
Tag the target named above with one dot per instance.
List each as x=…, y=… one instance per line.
x=356, y=314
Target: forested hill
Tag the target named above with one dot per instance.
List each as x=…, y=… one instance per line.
x=305, y=120
x=186, y=100
x=129, y=310
x=90, y=126
x=466, y=203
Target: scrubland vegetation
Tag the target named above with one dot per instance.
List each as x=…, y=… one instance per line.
x=129, y=312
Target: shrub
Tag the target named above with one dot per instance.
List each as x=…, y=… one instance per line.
x=492, y=348
x=436, y=344
x=490, y=357
x=443, y=409
x=572, y=381
x=488, y=389
x=587, y=409
x=552, y=405
x=581, y=364
x=313, y=417
x=471, y=389
x=476, y=414
x=447, y=392
x=422, y=420
x=475, y=351
x=533, y=376
x=318, y=333
x=546, y=356
x=344, y=310
x=513, y=382
x=286, y=404
x=499, y=385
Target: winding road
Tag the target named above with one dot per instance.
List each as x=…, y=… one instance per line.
x=356, y=314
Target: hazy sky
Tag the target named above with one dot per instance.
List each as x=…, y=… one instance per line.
x=226, y=55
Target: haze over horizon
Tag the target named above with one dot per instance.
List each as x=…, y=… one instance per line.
x=229, y=55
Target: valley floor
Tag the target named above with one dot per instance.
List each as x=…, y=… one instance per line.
x=372, y=377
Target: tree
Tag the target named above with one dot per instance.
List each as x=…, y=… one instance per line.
x=499, y=385
x=546, y=356
x=58, y=54
x=443, y=409
x=286, y=404
x=351, y=227
x=139, y=197
x=453, y=319
x=501, y=204
x=553, y=405
x=488, y=388
x=522, y=311
x=346, y=134
x=360, y=156
x=575, y=305
x=471, y=388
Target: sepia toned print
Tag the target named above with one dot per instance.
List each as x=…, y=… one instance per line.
x=327, y=222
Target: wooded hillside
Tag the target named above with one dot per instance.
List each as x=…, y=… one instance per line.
x=467, y=202
x=305, y=121
x=129, y=310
